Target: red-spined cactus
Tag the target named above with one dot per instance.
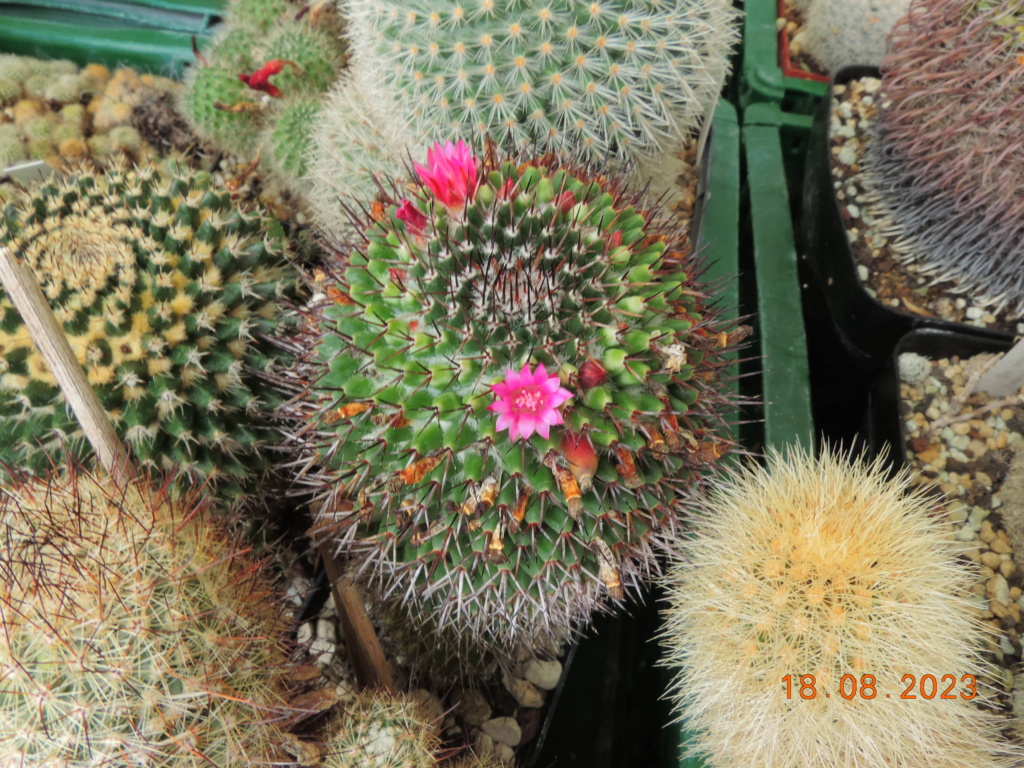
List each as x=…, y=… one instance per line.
x=462, y=460
x=134, y=632
x=949, y=156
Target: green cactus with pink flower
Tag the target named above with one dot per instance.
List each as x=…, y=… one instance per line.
x=510, y=392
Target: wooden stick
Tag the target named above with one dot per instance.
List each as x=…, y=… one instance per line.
x=372, y=670
x=49, y=337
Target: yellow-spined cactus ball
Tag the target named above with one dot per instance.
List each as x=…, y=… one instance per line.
x=811, y=596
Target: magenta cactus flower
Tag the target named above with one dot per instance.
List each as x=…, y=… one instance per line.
x=451, y=173
x=528, y=402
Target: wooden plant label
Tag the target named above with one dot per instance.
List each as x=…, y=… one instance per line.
x=1006, y=376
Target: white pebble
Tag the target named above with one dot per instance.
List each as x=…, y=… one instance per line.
x=325, y=648
x=326, y=628
x=853, y=210
x=305, y=633
x=504, y=730
x=974, y=313
x=847, y=155
x=965, y=534
x=543, y=674
x=862, y=273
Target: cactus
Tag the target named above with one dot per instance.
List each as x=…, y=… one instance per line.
x=380, y=730
x=945, y=155
x=134, y=633
x=478, y=305
x=12, y=145
x=817, y=566
x=840, y=33
x=258, y=90
x=164, y=289
x=615, y=79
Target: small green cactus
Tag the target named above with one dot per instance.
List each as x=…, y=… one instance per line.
x=164, y=288
x=12, y=145
x=259, y=16
x=381, y=730
x=317, y=54
x=840, y=33
x=481, y=303
x=134, y=633
x=211, y=94
x=288, y=139
x=619, y=78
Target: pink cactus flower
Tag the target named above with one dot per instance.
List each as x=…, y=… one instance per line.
x=413, y=217
x=451, y=173
x=528, y=402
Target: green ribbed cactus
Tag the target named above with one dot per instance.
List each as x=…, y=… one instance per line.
x=616, y=78
x=536, y=299
x=134, y=633
x=164, y=288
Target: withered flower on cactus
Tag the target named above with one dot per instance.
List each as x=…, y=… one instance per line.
x=544, y=301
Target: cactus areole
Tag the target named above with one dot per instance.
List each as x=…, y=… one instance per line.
x=455, y=497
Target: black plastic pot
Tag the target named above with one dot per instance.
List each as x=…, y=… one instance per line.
x=887, y=430
x=868, y=329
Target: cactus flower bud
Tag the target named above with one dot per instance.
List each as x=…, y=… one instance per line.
x=582, y=458
x=592, y=374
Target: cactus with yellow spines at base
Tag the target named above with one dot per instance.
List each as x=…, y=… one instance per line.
x=164, y=288
x=135, y=632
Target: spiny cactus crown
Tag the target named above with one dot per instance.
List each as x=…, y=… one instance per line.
x=163, y=288
x=948, y=158
x=614, y=78
x=840, y=33
x=826, y=568
x=134, y=633
x=479, y=305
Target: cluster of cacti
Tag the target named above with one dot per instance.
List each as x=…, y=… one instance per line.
x=378, y=729
x=946, y=154
x=839, y=33
x=530, y=296
x=261, y=82
x=164, y=288
x=60, y=113
x=811, y=596
x=134, y=633
x=607, y=81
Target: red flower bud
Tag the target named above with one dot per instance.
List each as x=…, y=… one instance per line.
x=592, y=374
x=565, y=201
x=582, y=458
x=615, y=239
x=415, y=220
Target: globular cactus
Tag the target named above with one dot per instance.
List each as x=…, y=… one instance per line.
x=511, y=391
x=380, y=730
x=826, y=568
x=258, y=87
x=615, y=79
x=840, y=33
x=134, y=633
x=164, y=288
x=946, y=155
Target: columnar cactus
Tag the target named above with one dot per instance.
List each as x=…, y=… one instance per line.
x=619, y=78
x=947, y=157
x=511, y=391
x=164, y=289
x=134, y=633
x=811, y=597
x=839, y=33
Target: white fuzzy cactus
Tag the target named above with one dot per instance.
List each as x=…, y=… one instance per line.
x=841, y=33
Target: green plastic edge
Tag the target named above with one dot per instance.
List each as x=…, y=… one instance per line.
x=157, y=51
x=719, y=239
x=192, y=16
x=761, y=77
x=785, y=372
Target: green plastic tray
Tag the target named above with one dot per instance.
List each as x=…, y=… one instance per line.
x=611, y=712
x=150, y=35
x=772, y=142
x=761, y=77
